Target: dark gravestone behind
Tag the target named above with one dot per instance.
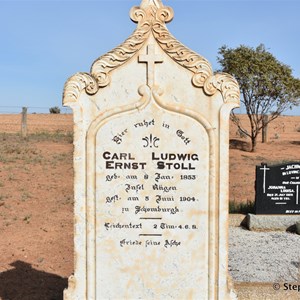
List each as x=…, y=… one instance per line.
x=277, y=189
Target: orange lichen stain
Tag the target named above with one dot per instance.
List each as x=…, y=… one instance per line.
x=190, y=294
x=109, y=245
x=199, y=255
x=151, y=271
x=197, y=212
x=191, y=236
x=134, y=268
x=129, y=284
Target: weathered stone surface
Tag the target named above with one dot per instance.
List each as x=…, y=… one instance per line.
x=271, y=222
x=151, y=169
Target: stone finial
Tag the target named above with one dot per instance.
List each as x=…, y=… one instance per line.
x=151, y=11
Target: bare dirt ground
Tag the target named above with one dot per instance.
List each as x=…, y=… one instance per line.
x=36, y=213
x=283, y=146
x=36, y=198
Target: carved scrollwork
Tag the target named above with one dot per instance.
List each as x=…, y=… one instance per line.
x=182, y=55
x=102, y=66
x=118, y=56
x=226, y=84
x=145, y=15
x=137, y=14
x=76, y=84
x=165, y=14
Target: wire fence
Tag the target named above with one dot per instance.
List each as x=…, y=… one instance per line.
x=32, y=109
x=16, y=119
x=39, y=119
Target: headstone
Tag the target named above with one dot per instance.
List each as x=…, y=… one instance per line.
x=151, y=126
x=277, y=189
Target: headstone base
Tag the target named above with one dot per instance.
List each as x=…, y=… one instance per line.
x=271, y=222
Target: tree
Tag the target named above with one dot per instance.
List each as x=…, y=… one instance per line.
x=54, y=110
x=267, y=85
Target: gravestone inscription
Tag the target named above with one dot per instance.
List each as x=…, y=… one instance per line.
x=150, y=205
x=277, y=189
x=151, y=127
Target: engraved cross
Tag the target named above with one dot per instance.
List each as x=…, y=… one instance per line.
x=150, y=59
x=265, y=169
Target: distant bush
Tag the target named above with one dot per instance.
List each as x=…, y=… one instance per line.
x=54, y=110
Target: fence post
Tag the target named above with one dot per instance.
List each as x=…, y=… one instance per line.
x=265, y=129
x=24, y=123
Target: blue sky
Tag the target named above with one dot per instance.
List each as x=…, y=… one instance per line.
x=44, y=42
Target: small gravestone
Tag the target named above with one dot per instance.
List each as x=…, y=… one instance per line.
x=151, y=126
x=278, y=189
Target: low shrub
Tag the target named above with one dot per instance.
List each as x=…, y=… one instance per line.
x=54, y=110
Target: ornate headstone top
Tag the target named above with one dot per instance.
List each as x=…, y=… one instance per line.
x=151, y=17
